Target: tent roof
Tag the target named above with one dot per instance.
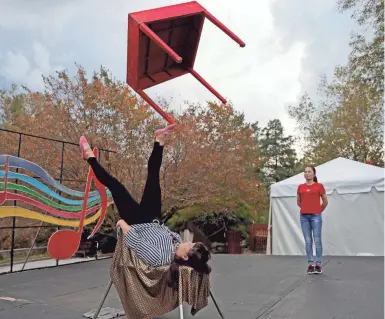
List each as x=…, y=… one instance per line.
x=341, y=174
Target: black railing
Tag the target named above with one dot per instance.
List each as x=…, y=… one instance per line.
x=61, y=179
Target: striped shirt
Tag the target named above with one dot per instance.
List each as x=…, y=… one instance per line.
x=153, y=243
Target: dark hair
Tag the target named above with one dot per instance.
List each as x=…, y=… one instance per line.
x=198, y=256
x=315, y=179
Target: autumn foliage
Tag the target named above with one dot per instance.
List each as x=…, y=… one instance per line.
x=210, y=161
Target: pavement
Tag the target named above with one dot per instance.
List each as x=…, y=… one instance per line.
x=245, y=286
x=39, y=264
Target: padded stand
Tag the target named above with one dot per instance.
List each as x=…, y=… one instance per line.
x=180, y=292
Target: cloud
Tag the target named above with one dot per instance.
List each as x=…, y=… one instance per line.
x=287, y=46
x=17, y=68
x=258, y=79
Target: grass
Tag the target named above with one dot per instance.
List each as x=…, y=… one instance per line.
x=18, y=259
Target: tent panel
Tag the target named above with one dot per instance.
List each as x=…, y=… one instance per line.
x=353, y=224
x=343, y=175
x=287, y=238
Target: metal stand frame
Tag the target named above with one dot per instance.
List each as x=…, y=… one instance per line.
x=180, y=306
x=103, y=300
x=181, y=315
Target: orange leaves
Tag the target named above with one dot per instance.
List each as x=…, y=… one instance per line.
x=209, y=157
x=212, y=153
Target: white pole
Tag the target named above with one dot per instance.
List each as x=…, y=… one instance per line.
x=268, y=246
x=181, y=311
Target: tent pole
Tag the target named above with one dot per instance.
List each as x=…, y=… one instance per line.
x=268, y=246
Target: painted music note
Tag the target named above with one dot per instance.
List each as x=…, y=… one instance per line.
x=64, y=243
x=3, y=194
x=104, y=202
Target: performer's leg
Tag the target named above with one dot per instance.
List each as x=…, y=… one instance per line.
x=316, y=225
x=151, y=202
x=307, y=234
x=127, y=207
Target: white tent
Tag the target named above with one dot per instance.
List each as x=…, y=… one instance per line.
x=353, y=222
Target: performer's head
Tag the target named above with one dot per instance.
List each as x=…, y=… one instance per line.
x=194, y=255
x=310, y=174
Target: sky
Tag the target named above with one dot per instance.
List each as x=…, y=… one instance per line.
x=289, y=44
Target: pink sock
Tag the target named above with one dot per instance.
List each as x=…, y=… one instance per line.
x=84, y=146
x=165, y=130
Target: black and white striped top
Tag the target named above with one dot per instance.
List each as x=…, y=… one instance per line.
x=153, y=243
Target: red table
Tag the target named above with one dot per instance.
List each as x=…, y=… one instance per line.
x=162, y=45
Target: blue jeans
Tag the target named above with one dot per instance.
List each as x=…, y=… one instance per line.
x=312, y=226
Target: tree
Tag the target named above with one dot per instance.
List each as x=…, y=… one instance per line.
x=277, y=152
x=209, y=163
x=367, y=57
x=347, y=118
x=347, y=123
x=212, y=160
x=101, y=107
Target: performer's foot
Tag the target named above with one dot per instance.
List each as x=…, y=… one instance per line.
x=318, y=269
x=311, y=269
x=160, y=135
x=165, y=130
x=86, y=149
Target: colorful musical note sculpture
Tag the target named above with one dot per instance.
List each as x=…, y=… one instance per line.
x=74, y=213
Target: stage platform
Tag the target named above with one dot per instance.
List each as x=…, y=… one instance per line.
x=245, y=286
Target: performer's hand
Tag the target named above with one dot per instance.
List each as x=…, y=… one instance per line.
x=124, y=226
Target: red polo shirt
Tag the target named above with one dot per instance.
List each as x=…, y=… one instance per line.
x=310, y=198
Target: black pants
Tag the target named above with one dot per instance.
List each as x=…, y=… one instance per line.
x=130, y=210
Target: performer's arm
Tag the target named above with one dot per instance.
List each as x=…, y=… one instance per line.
x=298, y=197
x=324, y=197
